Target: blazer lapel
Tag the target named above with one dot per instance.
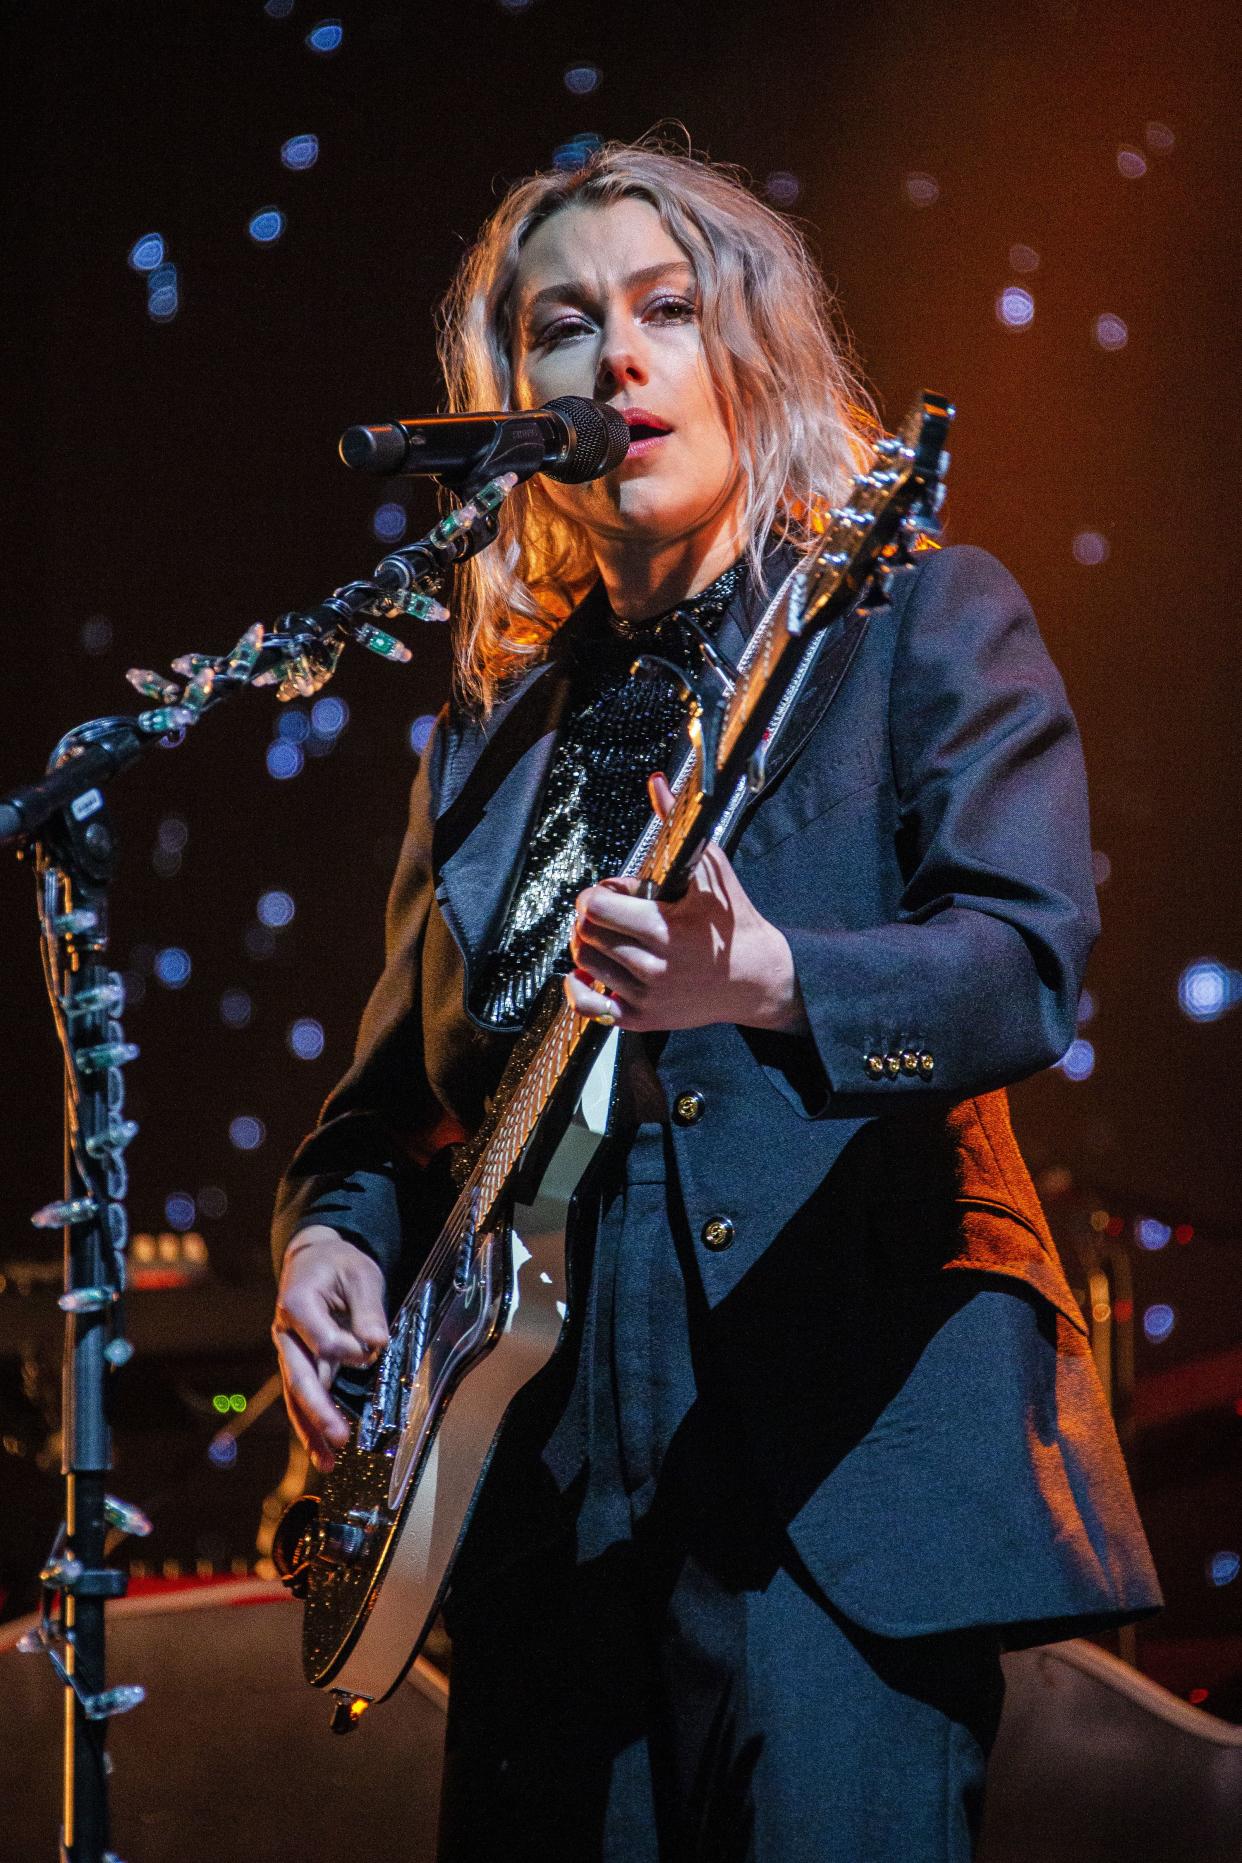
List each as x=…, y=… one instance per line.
x=832, y=663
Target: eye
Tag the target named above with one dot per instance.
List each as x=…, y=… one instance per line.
x=671, y=310
x=558, y=331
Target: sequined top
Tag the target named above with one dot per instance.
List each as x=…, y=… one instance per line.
x=618, y=730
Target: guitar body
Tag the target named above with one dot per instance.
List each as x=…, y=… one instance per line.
x=377, y=1547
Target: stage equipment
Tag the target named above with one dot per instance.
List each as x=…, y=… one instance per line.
x=570, y=439
x=1094, y=1762
x=372, y=1554
x=65, y=820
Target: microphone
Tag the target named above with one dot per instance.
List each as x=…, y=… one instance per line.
x=570, y=439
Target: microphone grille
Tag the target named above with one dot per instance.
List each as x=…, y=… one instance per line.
x=598, y=439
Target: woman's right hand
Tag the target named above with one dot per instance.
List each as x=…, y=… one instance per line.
x=329, y=1313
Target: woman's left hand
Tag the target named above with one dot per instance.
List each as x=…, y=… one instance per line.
x=680, y=964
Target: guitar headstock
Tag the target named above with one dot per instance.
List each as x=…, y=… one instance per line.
x=890, y=508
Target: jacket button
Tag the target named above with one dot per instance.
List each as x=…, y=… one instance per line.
x=717, y=1233
x=892, y=1065
x=909, y=1061
x=926, y=1064
x=689, y=1107
x=874, y=1064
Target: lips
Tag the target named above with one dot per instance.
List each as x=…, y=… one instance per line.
x=646, y=429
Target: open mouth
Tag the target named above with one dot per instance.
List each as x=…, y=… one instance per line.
x=646, y=430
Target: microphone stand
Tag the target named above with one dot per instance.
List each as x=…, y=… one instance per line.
x=63, y=818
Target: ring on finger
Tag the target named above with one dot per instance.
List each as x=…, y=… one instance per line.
x=607, y=1018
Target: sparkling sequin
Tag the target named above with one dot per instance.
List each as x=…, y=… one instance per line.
x=618, y=731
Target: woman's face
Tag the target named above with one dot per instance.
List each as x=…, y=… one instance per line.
x=605, y=303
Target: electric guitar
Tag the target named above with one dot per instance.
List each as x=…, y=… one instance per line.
x=372, y=1555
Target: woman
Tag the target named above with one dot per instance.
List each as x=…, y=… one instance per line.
x=825, y=1433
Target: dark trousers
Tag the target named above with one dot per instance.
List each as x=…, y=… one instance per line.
x=664, y=1682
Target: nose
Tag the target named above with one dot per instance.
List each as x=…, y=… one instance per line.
x=621, y=360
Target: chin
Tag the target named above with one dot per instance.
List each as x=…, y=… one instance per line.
x=654, y=510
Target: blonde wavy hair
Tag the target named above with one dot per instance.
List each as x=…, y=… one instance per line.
x=803, y=421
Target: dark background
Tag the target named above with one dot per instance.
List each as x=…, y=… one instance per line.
x=172, y=482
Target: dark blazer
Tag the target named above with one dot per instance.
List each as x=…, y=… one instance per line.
x=908, y=1371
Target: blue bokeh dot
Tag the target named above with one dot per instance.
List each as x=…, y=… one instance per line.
x=276, y=909
x=148, y=252
x=306, y=1038
x=172, y=967
x=300, y=152
x=236, y=1009
x=284, y=759
x=420, y=732
x=326, y=36
x=179, y=1210
x=266, y=225
x=329, y=717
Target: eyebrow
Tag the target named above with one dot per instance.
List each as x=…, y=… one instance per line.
x=570, y=293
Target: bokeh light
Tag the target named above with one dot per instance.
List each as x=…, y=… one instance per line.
x=1131, y=163
x=1159, y=1321
x=329, y=716
x=300, y=152
x=921, y=190
x=1152, y=1234
x=172, y=967
x=1158, y=136
x=420, y=732
x=180, y=1210
x=782, y=188
x=146, y=253
x=246, y=1133
x=222, y=1450
x=390, y=521
x=582, y=80
x=1206, y=989
x=1078, y=1061
x=284, y=759
x=276, y=909
x=213, y=1202
x=163, y=293
x=577, y=152
x=306, y=1038
x=1090, y=548
x=1223, y=1567
x=326, y=37
x=266, y=226
x=1110, y=331
x=236, y=1009
x=293, y=724
x=1023, y=258
x=1015, y=307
